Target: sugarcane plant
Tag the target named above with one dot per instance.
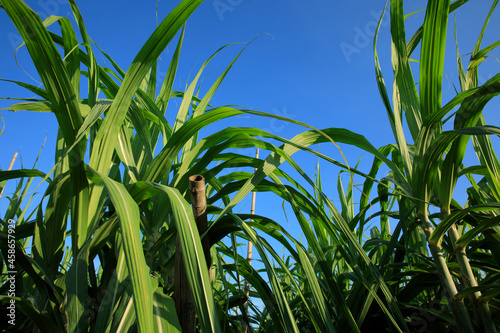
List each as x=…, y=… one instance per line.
x=122, y=205
x=97, y=253
x=430, y=271
x=431, y=159
x=118, y=205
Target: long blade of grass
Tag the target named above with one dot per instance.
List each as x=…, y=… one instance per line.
x=107, y=135
x=128, y=213
x=193, y=257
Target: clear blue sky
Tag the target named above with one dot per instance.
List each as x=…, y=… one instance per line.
x=314, y=63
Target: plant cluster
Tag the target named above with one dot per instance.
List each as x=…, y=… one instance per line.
x=121, y=206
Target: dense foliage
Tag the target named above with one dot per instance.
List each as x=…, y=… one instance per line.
x=113, y=199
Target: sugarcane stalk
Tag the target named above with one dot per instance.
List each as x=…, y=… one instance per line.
x=199, y=204
x=458, y=308
x=481, y=308
x=184, y=303
x=249, y=259
x=10, y=168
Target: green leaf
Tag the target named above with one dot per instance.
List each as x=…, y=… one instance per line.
x=129, y=217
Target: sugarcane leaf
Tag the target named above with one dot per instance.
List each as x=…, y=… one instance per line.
x=193, y=257
x=129, y=217
x=454, y=217
x=164, y=313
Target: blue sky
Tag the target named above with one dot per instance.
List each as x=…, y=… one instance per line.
x=312, y=63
